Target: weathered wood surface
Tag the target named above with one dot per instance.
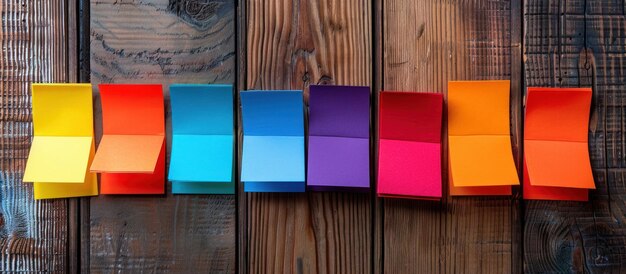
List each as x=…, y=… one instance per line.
x=426, y=44
x=290, y=45
x=33, y=234
x=418, y=46
x=160, y=41
x=581, y=44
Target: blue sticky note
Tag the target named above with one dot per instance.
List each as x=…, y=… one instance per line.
x=272, y=113
x=201, y=161
x=202, y=109
x=273, y=142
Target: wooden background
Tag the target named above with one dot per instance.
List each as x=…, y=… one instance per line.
x=289, y=44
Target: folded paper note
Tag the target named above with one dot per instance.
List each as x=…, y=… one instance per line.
x=131, y=154
x=273, y=141
x=63, y=143
x=409, y=154
x=555, y=144
x=339, y=119
x=481, y=160
x=202, y=139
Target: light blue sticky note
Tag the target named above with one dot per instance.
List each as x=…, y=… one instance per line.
x=273, y=159
x=201, y=158
x=202, y=188
x=273, y=143
x=201, y=161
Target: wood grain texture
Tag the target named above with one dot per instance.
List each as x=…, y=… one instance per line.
x=581, y=44
x=291, y=44
x=159, y=41
x=33, y=234
x=425, y=45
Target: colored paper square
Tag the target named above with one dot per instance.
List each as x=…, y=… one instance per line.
x=132, y=109
x=201, y=158
x=339, y=123
x=480, y=153
x=127, y=154
x=531, y=192
x=136, y=183
x=273, y=143
x=558, y=164
x=89, y=187
x=58, y=159
x=272, y=113
x=338, y=162
x=556, y=150
x=409, y=156
x=410, y=116
x=557, y=114
x=273, y=159
x=340, y=111
x=62, y=110
x=63, y=144
x=478, y=107
x=202, y=109
x=482, y=161
x=409, y=169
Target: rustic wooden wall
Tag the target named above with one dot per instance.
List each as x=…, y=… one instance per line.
x=426, y=44
x=160, y=41
x=33, y=234
x=290, y=44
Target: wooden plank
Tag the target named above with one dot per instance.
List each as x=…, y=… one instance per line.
x=160, y=41
x=426, y=44
x=83, y=56
x=242, y=221
x=572, y=44
x=33, y=234
x=378, y=204
x=290, y=45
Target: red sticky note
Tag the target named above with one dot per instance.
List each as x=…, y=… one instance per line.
x=409, y=159
x=131, y=154
x=556, y=154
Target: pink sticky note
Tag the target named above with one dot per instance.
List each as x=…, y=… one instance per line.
x=410, y=166
x=409, y=163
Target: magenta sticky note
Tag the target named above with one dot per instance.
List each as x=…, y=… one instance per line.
x=409, y=153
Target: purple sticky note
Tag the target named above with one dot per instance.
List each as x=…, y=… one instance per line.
x=339, y=121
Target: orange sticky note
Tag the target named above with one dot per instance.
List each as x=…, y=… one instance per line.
x=552, y=193
x=480, y=155
x=131, y=154
x=555, y=144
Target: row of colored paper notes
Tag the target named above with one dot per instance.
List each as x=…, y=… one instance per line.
x=131, y=155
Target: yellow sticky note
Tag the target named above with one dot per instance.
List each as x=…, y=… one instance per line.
x=63, y=145
x=479, y=138
x=62, y=110
x=67, y=190
x=58, y=159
